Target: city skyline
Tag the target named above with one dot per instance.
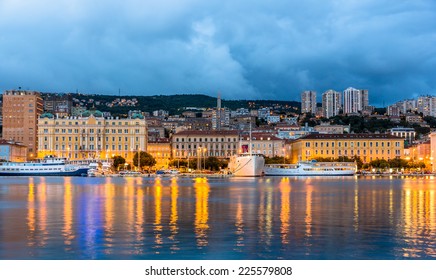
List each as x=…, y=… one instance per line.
x=260, y=51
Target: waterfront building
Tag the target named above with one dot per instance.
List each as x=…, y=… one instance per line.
x=21, y=109
x=262, y=143
x=308, y=102
x=160, y=149
x=12, y=151
x=407, y=133
x=366, y=146
x=354, y=100
x=91, y=136
x=196, y=143
x=331, y=103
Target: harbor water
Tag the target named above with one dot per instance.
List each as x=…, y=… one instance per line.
x=217, y=218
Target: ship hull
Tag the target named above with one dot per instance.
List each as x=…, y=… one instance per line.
x=78, y=172
x=247, y=166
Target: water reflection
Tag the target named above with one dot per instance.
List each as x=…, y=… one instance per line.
x=68, y=214
x=288, y=218
x=174, y=229
x=285, y=210
x=418, y=226
x=202, y=189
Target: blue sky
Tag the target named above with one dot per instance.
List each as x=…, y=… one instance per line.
x=242, y=49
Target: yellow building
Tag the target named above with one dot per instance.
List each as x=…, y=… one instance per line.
x=160, y=149
x=91, y=136
x=366, y=146
x=201, y=143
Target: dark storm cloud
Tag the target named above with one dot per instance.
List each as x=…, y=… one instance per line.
x=243, y=49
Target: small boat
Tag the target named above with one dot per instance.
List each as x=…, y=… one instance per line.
x=168, y=172
x=128, y=173
x=311, y=168
x=49, y=166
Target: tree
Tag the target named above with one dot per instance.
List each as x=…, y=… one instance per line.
x=213, y=163
x=118, y=161
x=145, y=159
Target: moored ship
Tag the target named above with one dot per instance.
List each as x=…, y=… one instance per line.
x=49, y=166
x=311, y=168
x=247, y=165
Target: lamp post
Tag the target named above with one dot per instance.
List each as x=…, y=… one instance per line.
x=204, y=151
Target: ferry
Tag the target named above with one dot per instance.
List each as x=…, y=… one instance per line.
x=49, y=166
x=311, y=168
x=247, y=165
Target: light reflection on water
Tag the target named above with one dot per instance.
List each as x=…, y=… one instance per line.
x=200, y=218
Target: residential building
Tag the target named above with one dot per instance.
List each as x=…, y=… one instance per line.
x=263, y=113
x=193, y=143
x=91, y=136
x=21, y=109
x=366, y=146
x=12, y=151
x=354, y=100
x=308, y=102
x=273, y=119
x=331, y=103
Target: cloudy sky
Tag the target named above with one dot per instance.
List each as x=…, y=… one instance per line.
x=243, y=49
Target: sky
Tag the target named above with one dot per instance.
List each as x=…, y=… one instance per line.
x=241, y=49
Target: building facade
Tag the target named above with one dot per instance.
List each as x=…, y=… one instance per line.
x=366, y=146
x=308, y=102
x=263, y=143
x=21, y=109
x=160, y=149
x=58, y=104
x=91, y=136
x=195, y=143
x=407, y=133
x=331, y=103
x=355, y=100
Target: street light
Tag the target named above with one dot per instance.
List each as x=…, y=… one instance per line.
x=204, y=151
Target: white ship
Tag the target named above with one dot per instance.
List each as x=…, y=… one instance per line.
x=49, y=166
x=247, y=165
x=311, y=168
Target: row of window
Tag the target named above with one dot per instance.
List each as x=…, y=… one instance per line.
x=91, y=139
x=205, y=139
x=217, y=146
x=93, y=147
x=352, y=144
x=92, y=131
x=351, y=152
x=98, y=123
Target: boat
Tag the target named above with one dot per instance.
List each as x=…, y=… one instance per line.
x=247, y=165
x=311, y=168
x=128, y=173
x=48, y=166
x=168, y=172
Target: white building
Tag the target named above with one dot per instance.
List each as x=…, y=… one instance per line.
x=355, y=100
x=308, y=102
x=331, y=103
x=404, y=132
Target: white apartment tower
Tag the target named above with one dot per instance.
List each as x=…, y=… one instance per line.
x=355, y=100
x=308, y=102
x=331, y=103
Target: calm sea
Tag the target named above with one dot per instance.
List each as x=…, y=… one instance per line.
x=227, y=218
